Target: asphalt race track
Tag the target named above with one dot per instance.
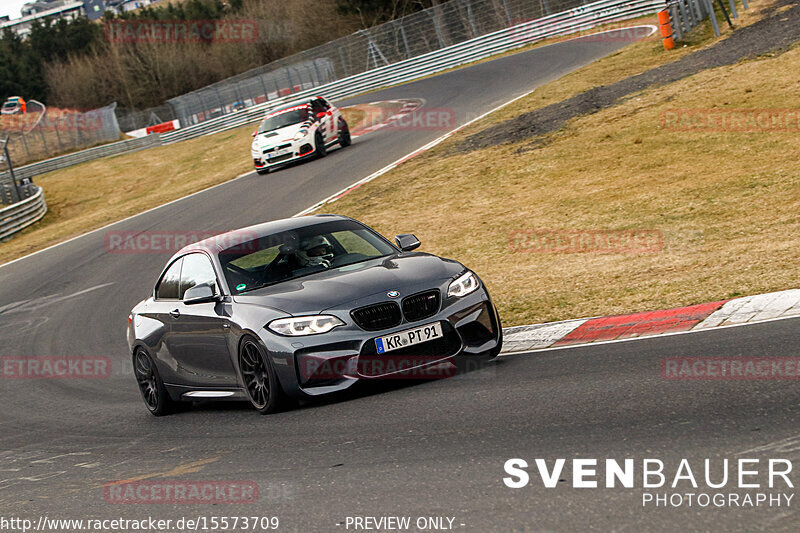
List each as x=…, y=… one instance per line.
x=431, y=449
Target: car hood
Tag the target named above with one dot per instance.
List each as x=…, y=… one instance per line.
x=280, y=135
x=338, y=287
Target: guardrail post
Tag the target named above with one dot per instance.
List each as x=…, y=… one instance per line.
x=713, y=16
x=676, y=21
x=734, y=13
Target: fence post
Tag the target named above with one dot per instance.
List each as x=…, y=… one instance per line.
x=11, y=171
x=508, y=14
x=471, y=18
x=344, y=61
x=405, y=40
x=435, y=20
x=44, y=142
x=264, y=86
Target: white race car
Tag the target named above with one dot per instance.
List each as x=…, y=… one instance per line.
x=296, y=131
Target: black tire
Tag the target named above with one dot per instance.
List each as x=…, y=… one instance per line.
x=262, y=171
x=154, y=394
x=319, y=146
x=259, y=378
x=344, y=134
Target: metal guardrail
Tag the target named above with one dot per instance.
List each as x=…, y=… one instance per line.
x=22, y=214
x=566, y=22
x=56, y=163
x=570, y=21
x=686, y=14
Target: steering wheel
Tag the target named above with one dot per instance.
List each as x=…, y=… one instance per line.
x=244, y=273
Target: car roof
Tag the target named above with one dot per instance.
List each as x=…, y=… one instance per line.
x=286, y=107
x=217, y=243
x=294, y=103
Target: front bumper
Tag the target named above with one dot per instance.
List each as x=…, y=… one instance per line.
x=282, y=153
x=322, y=364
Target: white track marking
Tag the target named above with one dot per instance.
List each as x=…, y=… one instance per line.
x=28, y=305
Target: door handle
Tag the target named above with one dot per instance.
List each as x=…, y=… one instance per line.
x=175, y=313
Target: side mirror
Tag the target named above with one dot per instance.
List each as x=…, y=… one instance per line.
x=255, y=133
x=321, y=114
x=200, y=294
x=407, y=242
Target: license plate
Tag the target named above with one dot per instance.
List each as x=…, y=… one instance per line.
x=409, y=337
x=278, y=153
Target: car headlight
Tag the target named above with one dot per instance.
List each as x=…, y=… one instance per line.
x=304, y=325
x=300, y=134
x=463, y=285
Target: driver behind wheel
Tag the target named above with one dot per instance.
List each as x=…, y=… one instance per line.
x=315, y=251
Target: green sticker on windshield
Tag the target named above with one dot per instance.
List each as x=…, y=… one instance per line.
x=241, y=287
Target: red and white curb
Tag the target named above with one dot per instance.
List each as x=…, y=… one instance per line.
x=746, y=310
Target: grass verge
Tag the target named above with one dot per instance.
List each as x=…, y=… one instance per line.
x=725, y=202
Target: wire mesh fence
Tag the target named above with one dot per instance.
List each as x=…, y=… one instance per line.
x=41, y=133
x=425, y=31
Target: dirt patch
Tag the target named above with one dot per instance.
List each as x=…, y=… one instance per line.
x=773, y=34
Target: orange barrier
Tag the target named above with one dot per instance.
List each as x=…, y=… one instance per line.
x=666, y=30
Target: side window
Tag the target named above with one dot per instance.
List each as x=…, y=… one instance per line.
x=170, y=282
x=196, y=269
x=325, y=105
x=316, y=106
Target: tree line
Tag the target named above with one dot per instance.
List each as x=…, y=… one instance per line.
x=71, y=63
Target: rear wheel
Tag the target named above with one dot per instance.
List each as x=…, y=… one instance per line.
x=344, y=134
x=319, y=146
x=259, y=378
x=154, y=394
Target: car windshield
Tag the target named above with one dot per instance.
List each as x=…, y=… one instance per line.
x=292, y=254
x=10, y=104
x=283, y=119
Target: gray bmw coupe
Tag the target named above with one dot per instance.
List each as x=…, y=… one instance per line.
x=303, y=307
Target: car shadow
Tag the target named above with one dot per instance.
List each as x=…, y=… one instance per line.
x=469, y=369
